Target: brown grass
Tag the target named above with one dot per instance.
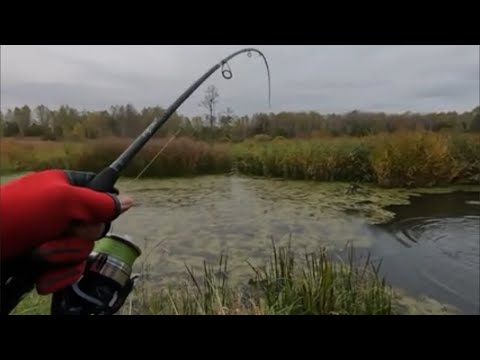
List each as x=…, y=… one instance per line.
x=403, y=159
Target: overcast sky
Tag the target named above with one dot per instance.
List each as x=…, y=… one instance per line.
x=327, y=79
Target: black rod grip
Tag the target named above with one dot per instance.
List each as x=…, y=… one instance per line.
x=104, y=181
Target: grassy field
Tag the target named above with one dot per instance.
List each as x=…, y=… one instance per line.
x=409, y=159
x=288, y=284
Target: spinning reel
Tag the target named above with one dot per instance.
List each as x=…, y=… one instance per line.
x=106, y=282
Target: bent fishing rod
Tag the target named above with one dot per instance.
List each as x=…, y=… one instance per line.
x=106, y=179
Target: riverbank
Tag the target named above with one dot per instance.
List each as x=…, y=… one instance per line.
x=410, y=159
x=288, y=284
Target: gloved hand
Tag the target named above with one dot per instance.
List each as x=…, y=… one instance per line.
x=47, y=222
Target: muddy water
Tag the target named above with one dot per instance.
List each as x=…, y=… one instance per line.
x=197, y=219
x=430, y=248
x=428, y=245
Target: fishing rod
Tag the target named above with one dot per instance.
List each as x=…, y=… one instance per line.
x=106, y=179
x=106, y=282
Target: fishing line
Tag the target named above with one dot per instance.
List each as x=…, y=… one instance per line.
x=156, y=156
x=151, y=161
x=106, y=179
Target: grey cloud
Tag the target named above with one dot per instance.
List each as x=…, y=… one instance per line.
x=447, y=90
x=56, y=94
x=304, y=78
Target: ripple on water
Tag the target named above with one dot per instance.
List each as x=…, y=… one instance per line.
x=439, y=235
x=456, y=238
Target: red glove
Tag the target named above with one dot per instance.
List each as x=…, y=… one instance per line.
x=36, y=212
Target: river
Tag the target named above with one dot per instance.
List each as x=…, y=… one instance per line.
x=428, y=245
x=432, y=248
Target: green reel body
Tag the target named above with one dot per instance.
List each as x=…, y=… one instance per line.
x=106, y=283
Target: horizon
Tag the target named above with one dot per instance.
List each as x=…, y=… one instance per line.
x=178, y=112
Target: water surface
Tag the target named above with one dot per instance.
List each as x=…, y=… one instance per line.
x=434, y=249
x=428, y=245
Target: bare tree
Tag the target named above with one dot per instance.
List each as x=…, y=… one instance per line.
x=209, y=102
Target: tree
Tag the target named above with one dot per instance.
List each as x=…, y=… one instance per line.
x=119, y=115
x=197, y=125
x=95, y=124
x=227, y=118
x=209, y=102
x=64, y=120
x=2, y=123
x=43, y=116
x=475, y=125
x=78, y=131
x=22, y=118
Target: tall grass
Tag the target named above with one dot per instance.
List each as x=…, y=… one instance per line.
x=287, y=284
x=408, y=159
x=425, y=159
x=31, y=155
x=331, y=160
x=315, y=284
x=182, y=157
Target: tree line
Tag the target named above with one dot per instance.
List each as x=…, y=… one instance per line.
x=126, y=121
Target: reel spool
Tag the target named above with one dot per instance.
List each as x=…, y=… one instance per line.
x=106, y=282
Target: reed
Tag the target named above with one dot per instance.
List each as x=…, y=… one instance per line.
x=402, y=159
x=287, y=284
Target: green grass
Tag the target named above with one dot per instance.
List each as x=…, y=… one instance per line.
x=33, y=304
x=287, y=284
